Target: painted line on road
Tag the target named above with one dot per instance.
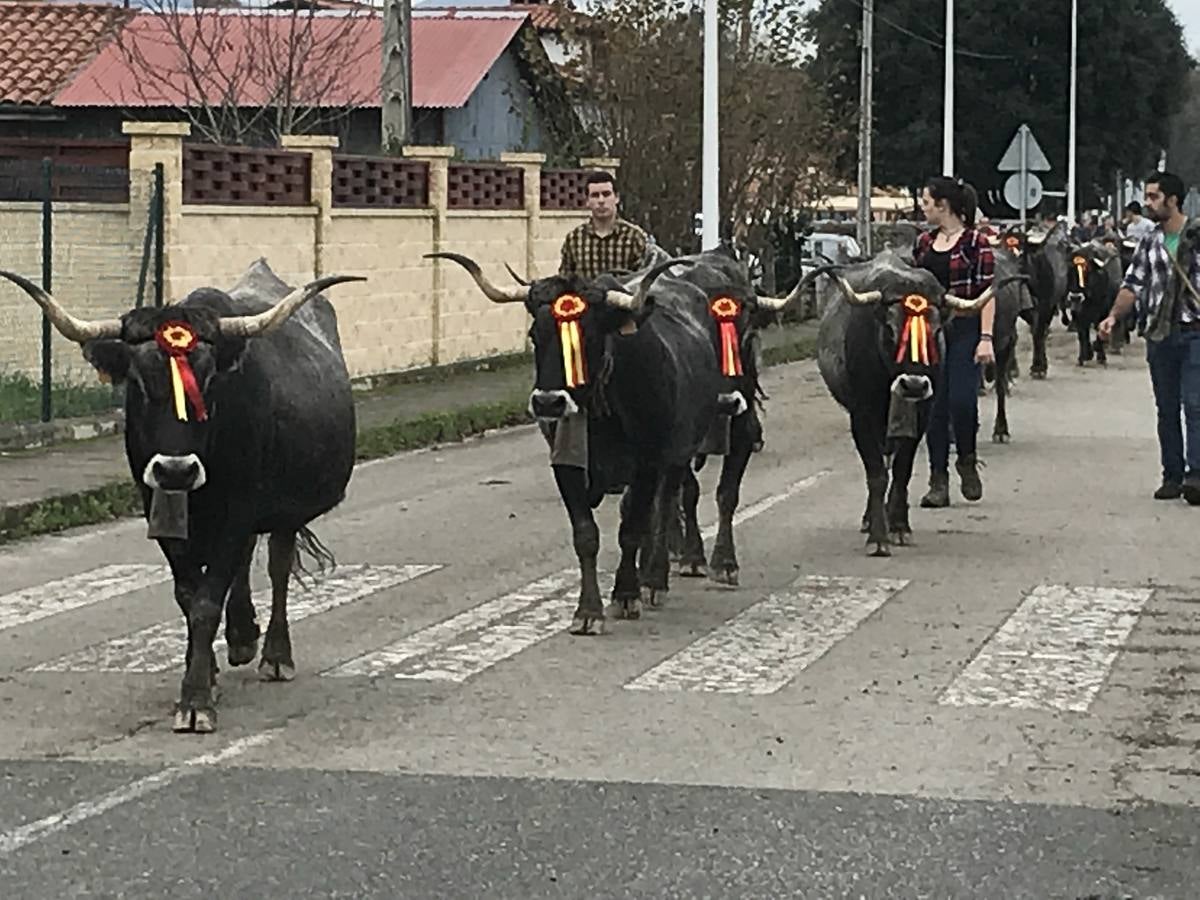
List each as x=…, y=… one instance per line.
x=1054, y=652
x=159, y=648
x=15, y=839
x=768, y=644
x=473, y=641
x=65, y=594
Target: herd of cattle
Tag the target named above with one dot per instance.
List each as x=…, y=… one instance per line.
x=240, y=420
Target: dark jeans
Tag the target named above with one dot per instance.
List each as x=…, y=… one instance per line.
x=956, y=396
x=1175, y=377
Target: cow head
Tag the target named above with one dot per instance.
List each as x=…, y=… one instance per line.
x=1084, y=266
x=170, y=357
x=574, y=320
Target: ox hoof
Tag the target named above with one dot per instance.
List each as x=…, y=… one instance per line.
x=270, y=670
x=588, y=626
x=881, y=549
x=727, y=575
x=1001, y=438
x=654, y=598
x=691, y=569
x=1037, y=375
x=626, y=608
x=901, y=538
x=195, y=721
x=242, y=654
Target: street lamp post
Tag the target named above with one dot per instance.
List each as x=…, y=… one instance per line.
x=710, y=203
x=948, y=107
x=864, y=129
x=1071, y=116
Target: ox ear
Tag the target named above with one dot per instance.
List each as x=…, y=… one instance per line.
x=230, y=351
x=110, y=357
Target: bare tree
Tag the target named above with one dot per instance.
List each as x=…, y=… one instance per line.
x=248, y=75
x=641, y=90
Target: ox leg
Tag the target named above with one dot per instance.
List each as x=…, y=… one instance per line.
x=745, y=432
x=187, y=575
x=196, y=711
x=897, y=501
x=277, y=663
x=868, y=431
x=1097, y=345
x=692, y=560
x=572, y=487
x=633, y=537
x=1083, y=334
x=1040, y=365
x=241, y=628
x=656, y=564
x=1004, y=359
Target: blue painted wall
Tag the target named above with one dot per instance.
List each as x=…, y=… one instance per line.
x=499, y=115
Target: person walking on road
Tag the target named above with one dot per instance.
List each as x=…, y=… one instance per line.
x=1163, y=281
x=606, y=242
x=961, y=259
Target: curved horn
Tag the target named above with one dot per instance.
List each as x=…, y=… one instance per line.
x=963, y=305
x=518, y=294
x=774, y=304
x=865, y=298
x=515, y=277
x=268, y=320
x=637, y=299
x=73, y=329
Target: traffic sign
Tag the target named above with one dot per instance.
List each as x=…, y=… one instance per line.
x=1035, y=159
x=1033, y=191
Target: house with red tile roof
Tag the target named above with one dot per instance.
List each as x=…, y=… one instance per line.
x=481, y=79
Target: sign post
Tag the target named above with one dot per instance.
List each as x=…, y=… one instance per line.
x=1023, y=156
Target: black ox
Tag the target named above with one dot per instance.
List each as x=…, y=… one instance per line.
x=239, y=422
x=1093, y=278
x=878, y=348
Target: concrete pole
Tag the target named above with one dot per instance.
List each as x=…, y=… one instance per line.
x=711, y=206
x=948, y=102
x=864, y=129
x=396, y=82
x=1071, y=125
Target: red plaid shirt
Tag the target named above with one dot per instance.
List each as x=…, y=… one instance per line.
x=972, y=265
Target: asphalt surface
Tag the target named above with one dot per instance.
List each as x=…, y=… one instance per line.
x=1007, y=708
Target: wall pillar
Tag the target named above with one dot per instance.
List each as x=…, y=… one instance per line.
x=320, y=148
x=151, y=143
x=438, y=159
x=531, y=165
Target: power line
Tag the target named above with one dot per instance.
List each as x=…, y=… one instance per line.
x=940, y=45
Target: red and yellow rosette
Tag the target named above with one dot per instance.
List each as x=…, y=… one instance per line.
x=1080, y=264
x=1013, y=244
x=726, y=310
x=916, y=340
x=177, y=340
x=567, y=311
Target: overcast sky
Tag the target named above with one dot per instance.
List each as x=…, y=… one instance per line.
x=1188, y=13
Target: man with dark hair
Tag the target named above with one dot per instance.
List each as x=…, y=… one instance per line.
x=1137, y=226
x=1164, y=282
x=605, y=243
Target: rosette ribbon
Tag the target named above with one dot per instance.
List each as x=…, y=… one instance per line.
x=177, y=340
x=916, y=339
x=725, y=310
x=567, y=311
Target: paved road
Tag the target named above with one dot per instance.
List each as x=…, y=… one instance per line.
x=1009, y=708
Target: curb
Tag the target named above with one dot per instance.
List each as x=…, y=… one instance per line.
x=120, y=499
x=33, y=435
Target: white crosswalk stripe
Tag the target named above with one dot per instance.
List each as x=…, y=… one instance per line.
x=160, y=647
x=770, y=643
x=1054, y=652
x=76, y=591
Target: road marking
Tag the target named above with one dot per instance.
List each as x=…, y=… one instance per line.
x=1053, y=652
x=460, y=647
x=768, y=644
x=15, y=839
x=65, y=594
x=160, y=647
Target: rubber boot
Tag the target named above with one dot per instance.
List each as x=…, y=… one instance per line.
x=939, y=491
x=968, y=471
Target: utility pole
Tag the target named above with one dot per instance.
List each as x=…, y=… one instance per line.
x=948, y=101
x=710, y=235
x=865, y=94
x=396, y=83
x=1071, y=125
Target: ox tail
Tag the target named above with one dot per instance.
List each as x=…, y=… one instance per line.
x=309, y=546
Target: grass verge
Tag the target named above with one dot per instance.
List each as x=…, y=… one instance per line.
x=21, y=399
x=119, y=499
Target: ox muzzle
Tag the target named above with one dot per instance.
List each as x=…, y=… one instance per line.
x=732, y=404
x=913, y=387
x=174, y=473
x=550, y=406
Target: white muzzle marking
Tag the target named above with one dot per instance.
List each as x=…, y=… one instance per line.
x=913, y=387
x=570, y=408
x=734, y=399
x=174, y=464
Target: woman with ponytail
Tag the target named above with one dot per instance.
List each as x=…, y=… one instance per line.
x=961, y=259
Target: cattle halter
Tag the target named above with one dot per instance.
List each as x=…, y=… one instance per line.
x=916, y=339
x=177, y=340
x=726, y=310
x=567, y=311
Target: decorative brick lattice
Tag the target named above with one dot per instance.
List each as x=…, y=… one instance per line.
x=564, y=188
x=369, y=182
x=22, y=179
x=243, y=176
x=486, y=187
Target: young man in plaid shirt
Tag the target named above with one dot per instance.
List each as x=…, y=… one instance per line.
x=606, y=243
x=1163, y=280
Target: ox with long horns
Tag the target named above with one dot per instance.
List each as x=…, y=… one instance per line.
x=626, y=389
x=879, y=345
x=239, y=422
